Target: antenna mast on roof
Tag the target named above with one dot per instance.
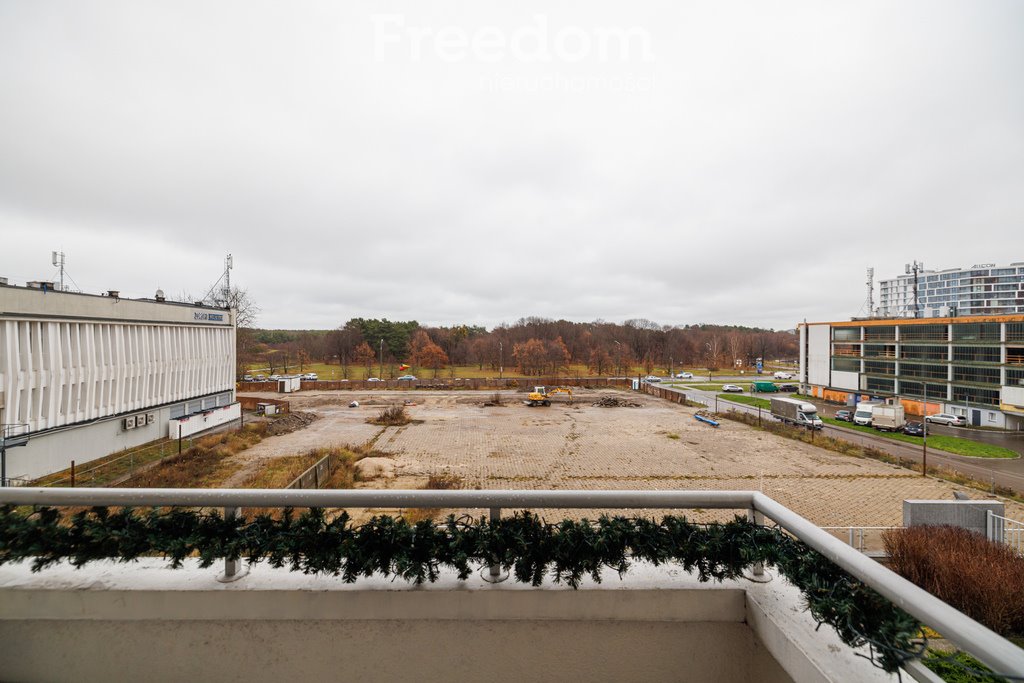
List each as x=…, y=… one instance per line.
x=58, y=261
x=915, y=269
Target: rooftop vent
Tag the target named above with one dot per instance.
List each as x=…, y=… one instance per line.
x=3, y=281
x=114, y=293
x=160, y=295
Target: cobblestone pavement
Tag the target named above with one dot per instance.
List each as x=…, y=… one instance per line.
x=579, y=446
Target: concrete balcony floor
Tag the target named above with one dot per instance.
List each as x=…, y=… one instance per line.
x=142, y=621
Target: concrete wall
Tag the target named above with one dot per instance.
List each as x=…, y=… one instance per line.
x=141, y=621
x=200, y=422
x=968, y=514
x=846, y=380
x=819, y=361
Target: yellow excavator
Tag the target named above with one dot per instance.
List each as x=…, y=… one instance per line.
x=541, y=396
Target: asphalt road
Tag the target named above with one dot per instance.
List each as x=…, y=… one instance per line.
x=1007, y=472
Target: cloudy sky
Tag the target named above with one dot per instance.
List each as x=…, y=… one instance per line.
x=449, y=162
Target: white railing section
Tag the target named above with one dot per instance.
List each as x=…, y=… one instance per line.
x=857, y=535
x=1005, y=530
x=971, y=636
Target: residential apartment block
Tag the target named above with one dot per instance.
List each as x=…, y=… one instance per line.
x=984, y=289
x=966, y=366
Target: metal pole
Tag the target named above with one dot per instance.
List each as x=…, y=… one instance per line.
x=755, y=517
x=231, y=567
x=179, y=438
x=924, y=437
x=382, y=358
x=72, y=474
x=3, y=462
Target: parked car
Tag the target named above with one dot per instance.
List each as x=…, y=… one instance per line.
x=947, y=419
x=684, y=375
x=844, y=415
x=411, y=378
x=732, y=388
x=310, y=376
x=261, y=378
x=274, y=378
x=914, y=429
x=783, y=375
x=652, y=378
x=786, y=387
x=246, y=378
x=374, y=379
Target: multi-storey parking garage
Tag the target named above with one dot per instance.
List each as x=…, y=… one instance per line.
x=84, y=375
x=970, y=366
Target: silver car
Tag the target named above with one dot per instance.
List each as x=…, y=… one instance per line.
x=947, y=419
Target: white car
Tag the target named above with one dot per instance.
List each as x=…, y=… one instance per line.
x=310, y=376
x=374, y=379
x=274, y=378
x=652, y=378
x=732, y=389
x=783, y=375
x=684, y=375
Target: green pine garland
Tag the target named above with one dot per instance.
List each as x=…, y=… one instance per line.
x=523, y=544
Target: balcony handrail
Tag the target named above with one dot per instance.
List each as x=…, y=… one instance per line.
x=989, y=647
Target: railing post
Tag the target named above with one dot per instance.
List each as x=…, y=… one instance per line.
x=755, y=517
x=989, y=526
x=852, y=532
x=233, y=569
x=493, y=573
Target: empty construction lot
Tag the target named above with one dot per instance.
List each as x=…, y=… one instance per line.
x=658, y=445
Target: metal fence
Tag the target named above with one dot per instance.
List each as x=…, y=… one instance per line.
x=993, y=650
x=316, y=475
x=115, y=469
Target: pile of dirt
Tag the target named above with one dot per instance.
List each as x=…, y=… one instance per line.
x=616, y=402
x=290, y=422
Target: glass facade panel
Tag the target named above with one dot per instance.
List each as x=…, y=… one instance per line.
x=924, y=332
x=976, y=332
x=846, y=365
x=989, y=397
x=976, y=354
x=874, y=384
x=880, y=333
x=924, y=352
x=976, y=375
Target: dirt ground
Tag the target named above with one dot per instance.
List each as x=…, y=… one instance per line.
x=579, y=446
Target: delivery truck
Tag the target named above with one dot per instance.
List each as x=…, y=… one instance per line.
x=797, y=412
x=887, y=418
x=864, y=414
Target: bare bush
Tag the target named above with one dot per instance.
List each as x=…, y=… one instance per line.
x=980, y=578
x=393, y=416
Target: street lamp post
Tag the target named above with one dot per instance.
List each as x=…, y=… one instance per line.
x=382, y=358
x=501, y=359
x=618, y=355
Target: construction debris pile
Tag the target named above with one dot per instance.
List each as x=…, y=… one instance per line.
x=289, y=422
x=616, y=402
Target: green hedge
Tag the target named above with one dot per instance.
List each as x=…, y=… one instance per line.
x=523, y=544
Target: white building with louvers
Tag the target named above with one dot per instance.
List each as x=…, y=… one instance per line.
x=85, y=376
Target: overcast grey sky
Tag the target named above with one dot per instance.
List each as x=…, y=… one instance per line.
x=730, y=162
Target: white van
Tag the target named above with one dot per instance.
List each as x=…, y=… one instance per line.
x=783, y=375
x=864, y=413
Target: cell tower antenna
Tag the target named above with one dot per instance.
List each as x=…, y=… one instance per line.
x=871, y=292
x=915, y=268
x=58, y=259
x=228, y=265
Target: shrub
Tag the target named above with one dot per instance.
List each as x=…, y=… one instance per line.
x=393, y=416
x=980, y=578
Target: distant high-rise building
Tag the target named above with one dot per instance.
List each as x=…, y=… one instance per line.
x=984, y=289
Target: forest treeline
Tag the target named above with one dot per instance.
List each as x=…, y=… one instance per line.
x=531, y=346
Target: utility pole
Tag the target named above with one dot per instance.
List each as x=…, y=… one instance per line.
x=382, y=358
x=924, y=437
x=501, y=358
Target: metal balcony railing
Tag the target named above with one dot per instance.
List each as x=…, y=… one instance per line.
x=971, y=636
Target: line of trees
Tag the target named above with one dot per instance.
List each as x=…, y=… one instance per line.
x=530, y=346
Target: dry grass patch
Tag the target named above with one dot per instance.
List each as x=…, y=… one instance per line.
x=392, y=416
x=202, y=465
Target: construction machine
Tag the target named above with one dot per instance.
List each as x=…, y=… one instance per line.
x=541, y=396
